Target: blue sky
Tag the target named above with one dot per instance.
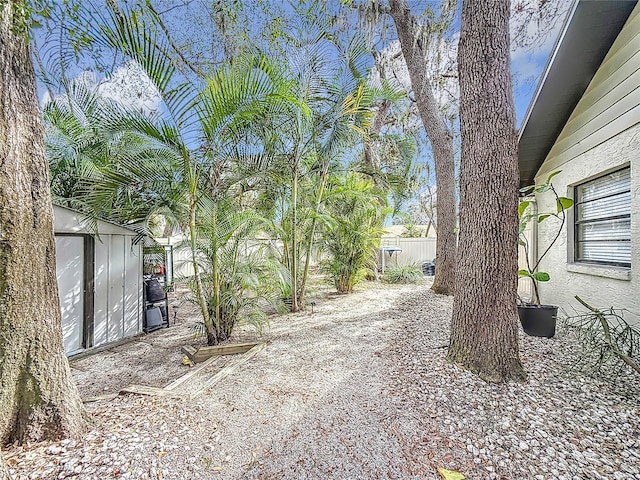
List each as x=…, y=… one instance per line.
x=527, y=63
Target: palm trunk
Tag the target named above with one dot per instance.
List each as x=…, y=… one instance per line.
x=39, y=399
x=314, y=223
x=202, y=301
x=294, y=240
x=216, y=274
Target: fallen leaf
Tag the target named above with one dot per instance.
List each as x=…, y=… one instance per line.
x=450, y=474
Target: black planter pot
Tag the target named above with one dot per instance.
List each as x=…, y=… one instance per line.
x=538, y=320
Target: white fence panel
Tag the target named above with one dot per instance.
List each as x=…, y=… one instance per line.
x=414, y=250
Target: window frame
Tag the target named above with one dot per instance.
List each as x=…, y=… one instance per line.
x=575, y=224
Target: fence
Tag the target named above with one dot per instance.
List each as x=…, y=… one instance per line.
x=414, y=250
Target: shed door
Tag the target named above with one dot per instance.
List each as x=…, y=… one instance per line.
x=71, y=282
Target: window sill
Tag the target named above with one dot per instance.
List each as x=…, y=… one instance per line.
x=606, y=271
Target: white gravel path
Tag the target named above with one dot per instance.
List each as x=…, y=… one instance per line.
x=361, y=390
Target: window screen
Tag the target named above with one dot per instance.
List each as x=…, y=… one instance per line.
x=603, y=220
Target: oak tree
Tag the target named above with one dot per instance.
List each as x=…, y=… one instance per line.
x=484, y=330
x=39, y=398
x=440, y=136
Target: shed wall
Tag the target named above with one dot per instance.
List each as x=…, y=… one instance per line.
x=117, y=277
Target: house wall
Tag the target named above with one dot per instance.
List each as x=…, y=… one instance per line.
x=602, y=135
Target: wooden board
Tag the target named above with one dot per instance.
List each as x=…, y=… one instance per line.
x=229, y=369
x=192, y=372
x=171, y=390
x=100, y=398
x=151, y=391
x=204, y=353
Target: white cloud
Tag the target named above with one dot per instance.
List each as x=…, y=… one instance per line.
x=130, y=86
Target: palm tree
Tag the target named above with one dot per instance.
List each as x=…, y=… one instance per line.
x=199, y=148
x=238, y=277
x=352, y=236
x=314, y=138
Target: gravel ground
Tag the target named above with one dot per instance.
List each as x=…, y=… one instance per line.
x=361, y=390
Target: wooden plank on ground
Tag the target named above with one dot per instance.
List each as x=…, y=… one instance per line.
x=204, y=353
x=229, y=369
x=99, y=398
x=192, y=372
x=190, y=352
x=151, y=391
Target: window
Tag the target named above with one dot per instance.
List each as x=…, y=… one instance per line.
x=603, y=220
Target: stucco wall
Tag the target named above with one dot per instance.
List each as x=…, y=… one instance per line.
x=601, y=286
x=602, y=135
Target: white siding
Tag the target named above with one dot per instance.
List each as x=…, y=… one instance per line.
x=132, y=288
x=117, y=277
x=602, y=135
x=101, y=291
x=70, y=276
x=610, y=105
x=117, y=267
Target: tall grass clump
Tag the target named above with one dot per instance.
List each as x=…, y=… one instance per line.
x=410, y=273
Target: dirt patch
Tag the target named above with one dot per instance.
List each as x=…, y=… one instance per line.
x=155, y=359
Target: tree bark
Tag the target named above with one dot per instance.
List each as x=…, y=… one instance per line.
x=484, y=330
x=39, y=399
x=441, y=144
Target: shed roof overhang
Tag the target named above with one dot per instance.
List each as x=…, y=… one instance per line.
x=586, y=37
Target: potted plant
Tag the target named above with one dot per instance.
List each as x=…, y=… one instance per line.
x=537, y=319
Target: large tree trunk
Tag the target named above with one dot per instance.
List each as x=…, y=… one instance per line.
x=39, y=399
x=441, y=143
x=484, y=330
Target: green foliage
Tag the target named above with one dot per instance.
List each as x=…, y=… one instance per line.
x=525, y=216
x=352, y=235
x=608, y=343
x=410, y=273
x=238, y=279
x=410, y=228
x=30, y=14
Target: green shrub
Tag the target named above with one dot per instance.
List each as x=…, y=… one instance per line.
x=352, y=233
x=410, y=273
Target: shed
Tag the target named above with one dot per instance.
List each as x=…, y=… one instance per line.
x=99, y=280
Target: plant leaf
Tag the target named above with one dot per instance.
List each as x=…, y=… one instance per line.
x=450, y=474
x=541, y=276
x=543, y=216
x=522, y=207
x=543, y=188
x=551, y=175
x=527, y=189
x=564, y=203
x=523, y=273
